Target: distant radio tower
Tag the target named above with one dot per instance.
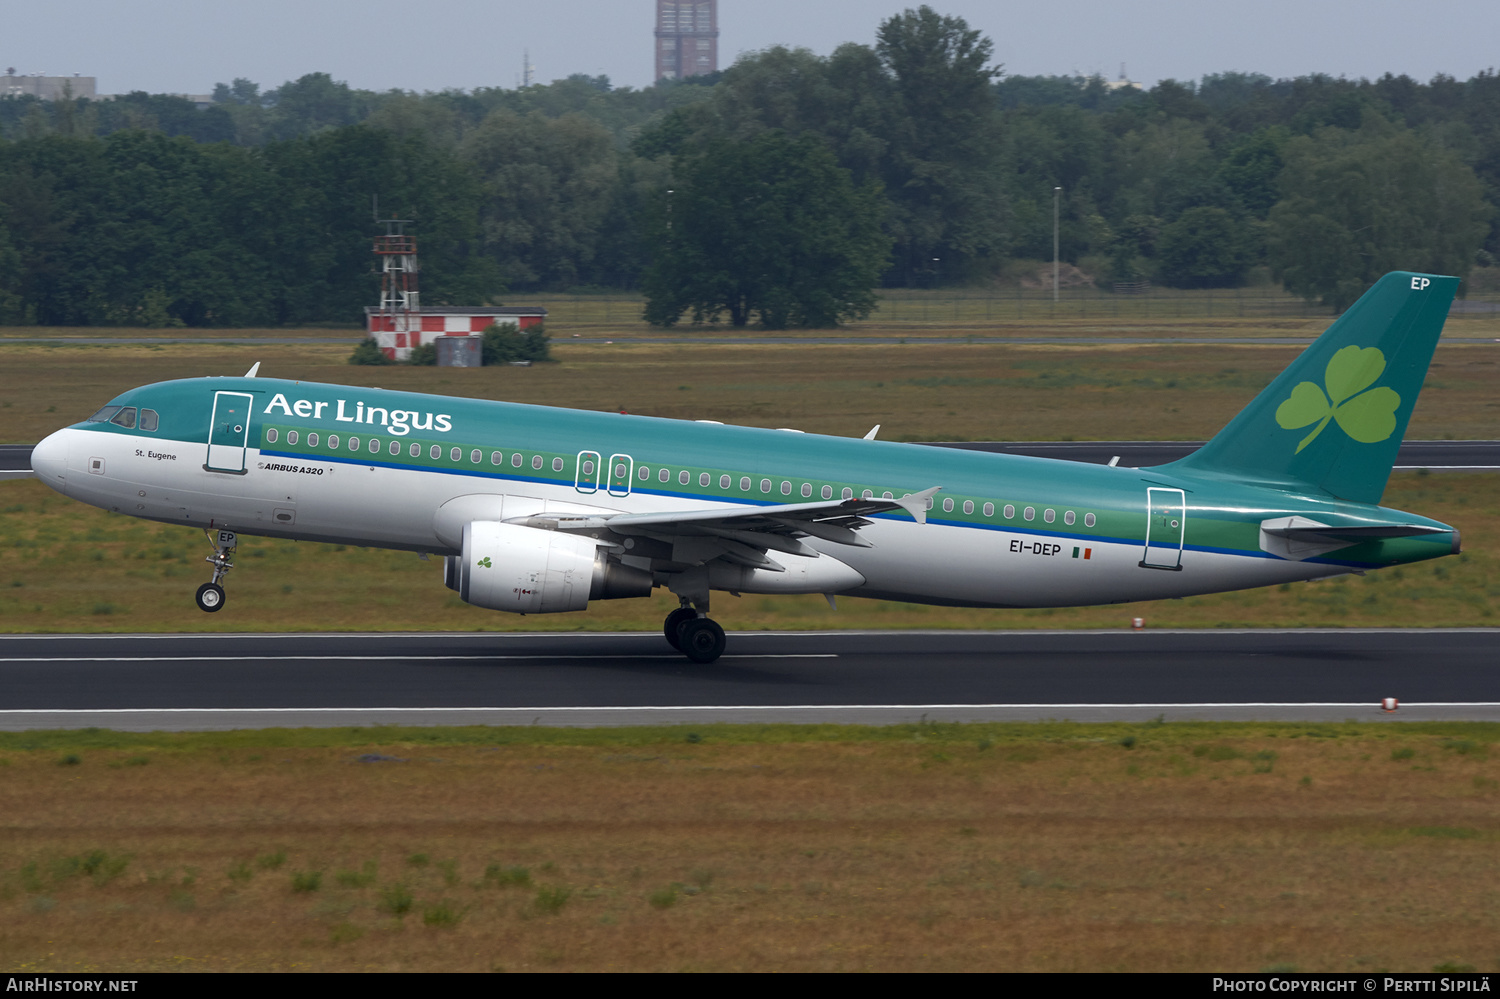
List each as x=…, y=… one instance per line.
x=526, y=71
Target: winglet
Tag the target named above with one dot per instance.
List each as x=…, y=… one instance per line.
x=873, y=431
x=253, y=369
x=916, y=503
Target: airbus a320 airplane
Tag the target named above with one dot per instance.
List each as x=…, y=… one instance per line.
x=541, y=510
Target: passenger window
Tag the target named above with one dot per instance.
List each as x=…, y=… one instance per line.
x=887, y=495
x=588, y=467
x=395, y=447
x=435, y=452
x=456, y=454
x=948, y=505
x=1069, y=518
x=1088, y=520
x=1010, y=512
x=515, y=460
x=1049, y=515
x=683, y=478
x=149, y=421
x=786, y=488
x=868, y=494
x=312, y=440
x=645, y=473
x=374, y=446
x=744, y=483
x=848, y=493
x=536, y=460
x=415, y=450
x=291, y=437
x=496, y=458
x=806, y=490
x=704, y=479
x=989, y=509
x=271, y=436
x=476, y=456
x=968, y=506
x=664, y=475
x=724, y=481
x=557, y=464
x=1030, y=513
x=828, y=492
x=333, y=442
x=354, y=443
x=124, y=418
x=765, y=485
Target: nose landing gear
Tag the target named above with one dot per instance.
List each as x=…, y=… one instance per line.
x=210, y=596
x=693, y=634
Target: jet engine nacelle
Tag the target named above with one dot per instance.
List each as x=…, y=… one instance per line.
x=530, y=571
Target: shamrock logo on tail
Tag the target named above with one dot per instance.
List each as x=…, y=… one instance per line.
x=1366, y=416
x=485, y=562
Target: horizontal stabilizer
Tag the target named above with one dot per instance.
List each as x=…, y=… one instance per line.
x=1297, y=538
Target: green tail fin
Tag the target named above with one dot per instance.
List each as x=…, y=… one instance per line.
x=1334, y=419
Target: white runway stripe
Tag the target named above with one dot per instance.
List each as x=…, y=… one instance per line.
x=1364, y=705
x=366, y=659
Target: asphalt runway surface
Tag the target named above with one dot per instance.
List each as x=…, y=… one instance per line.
x=204, y=682
x=1471, y=456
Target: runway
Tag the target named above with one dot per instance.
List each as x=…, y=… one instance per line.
x=207, y=682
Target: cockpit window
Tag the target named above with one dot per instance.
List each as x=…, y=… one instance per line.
x=104, y=414
x=149, y=421
x=124, y=418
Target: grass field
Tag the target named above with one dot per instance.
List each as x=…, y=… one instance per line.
x=1053, y=847
x=916, y=391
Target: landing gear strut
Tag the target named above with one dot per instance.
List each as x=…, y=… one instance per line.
x=210, y=596
x=693, y=634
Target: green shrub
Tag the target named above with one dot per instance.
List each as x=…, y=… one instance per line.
x=551, y=898
x=395, y=899
x=367, y=351
x=423, y=355
x=443, y=914
x=506, y=343
x=506, y=877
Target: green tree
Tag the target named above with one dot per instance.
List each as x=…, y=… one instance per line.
x=1204, y=248
x=1358, y=204
x=947, y=195
x=771, y=228
x=547, y=186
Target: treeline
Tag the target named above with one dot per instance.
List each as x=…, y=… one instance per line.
x=148, y=210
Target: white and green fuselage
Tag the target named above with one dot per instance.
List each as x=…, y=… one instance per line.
x=1288, y=491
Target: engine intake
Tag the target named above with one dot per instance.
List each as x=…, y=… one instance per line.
x=529, y=571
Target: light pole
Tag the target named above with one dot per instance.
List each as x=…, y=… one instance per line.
x=1056, y=194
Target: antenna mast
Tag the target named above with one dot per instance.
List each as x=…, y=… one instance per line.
x=399, y=297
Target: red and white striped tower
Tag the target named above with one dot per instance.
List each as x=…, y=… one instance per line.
x=400, y=302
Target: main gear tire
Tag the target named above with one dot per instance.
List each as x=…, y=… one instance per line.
x=701, y=640
x=674, y=623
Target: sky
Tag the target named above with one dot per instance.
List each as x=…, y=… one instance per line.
x=186, y=46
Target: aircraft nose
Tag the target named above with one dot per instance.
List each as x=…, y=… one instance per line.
x=49, y=460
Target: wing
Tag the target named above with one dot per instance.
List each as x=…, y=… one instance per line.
x=737, y=534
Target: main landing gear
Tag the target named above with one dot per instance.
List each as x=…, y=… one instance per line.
x=210, y=596
x=694, y=635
